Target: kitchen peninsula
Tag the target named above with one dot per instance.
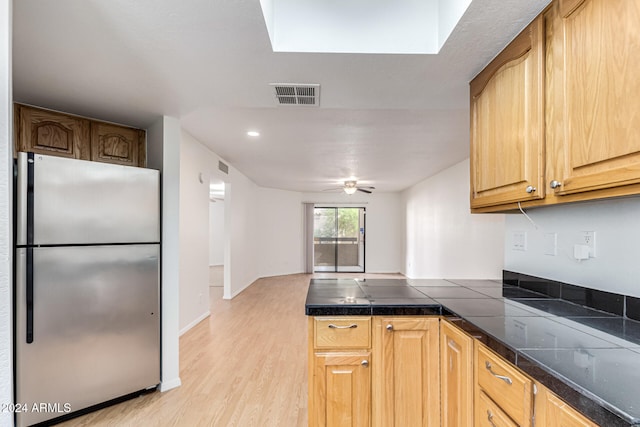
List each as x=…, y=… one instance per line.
x=505, y=352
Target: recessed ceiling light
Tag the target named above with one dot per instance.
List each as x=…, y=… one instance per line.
x=253, y=133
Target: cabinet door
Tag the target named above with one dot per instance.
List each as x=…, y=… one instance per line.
x=595, y=111
x=342, y=390
x=410, y=383
x=117, y=144
x=456, y=376
x=507, y=123
x=47, y=132
x=551, y=411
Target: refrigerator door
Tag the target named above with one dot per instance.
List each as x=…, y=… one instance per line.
x=96, y=329
x=82, y=202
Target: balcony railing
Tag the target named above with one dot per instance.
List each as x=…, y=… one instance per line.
x=325, y=251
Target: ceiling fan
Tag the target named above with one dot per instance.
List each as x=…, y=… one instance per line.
x=351, y=187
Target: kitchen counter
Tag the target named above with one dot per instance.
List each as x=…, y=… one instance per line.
x=589, y=357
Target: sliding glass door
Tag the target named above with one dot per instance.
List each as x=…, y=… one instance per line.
x=338, y=239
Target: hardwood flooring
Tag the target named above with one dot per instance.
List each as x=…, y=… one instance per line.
x=245, y=366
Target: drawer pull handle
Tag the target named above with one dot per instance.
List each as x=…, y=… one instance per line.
x=389, y=327
x=502, y=377
x=490, y=418
x=351, y=326
x=365, y=363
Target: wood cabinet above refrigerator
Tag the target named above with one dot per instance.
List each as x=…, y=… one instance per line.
x=54, y=133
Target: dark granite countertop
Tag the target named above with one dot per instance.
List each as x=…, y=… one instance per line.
x=589, y=357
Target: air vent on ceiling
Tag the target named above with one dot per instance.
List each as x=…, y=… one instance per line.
x=290, y=94
x=223, y=167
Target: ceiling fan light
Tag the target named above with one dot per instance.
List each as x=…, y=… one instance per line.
x=350, y=190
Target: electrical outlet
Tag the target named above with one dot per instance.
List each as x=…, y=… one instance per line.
x=551, y=244
x=589, y=239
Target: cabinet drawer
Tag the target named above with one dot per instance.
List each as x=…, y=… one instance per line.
x=504, y=384
x=342, y=332
x=488, y=414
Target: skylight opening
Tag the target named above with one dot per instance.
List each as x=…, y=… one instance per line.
x=361, y=26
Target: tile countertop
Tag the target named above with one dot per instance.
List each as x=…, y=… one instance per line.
x=588, y=357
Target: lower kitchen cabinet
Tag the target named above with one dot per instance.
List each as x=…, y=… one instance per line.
x=489, y=414
x=456, y=376
x=407, y=378
x=551, y=411
x=340, y=371
x=342, y=388
x=505, y=386
x=419, y=371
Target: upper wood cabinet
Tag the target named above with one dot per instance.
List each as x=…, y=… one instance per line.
x=588, y=144
x=48, y=132
x=594, y=107
x=507, y=123
x=117, y=144
x=58, y=134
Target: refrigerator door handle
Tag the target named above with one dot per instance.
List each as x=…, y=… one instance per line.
x=25, y=199
x=30, y=197
x=24, y=294
x=29, y=299
x=21, y=199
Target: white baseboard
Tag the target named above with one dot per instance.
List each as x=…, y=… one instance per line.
x=195, y=322
x=170, y=384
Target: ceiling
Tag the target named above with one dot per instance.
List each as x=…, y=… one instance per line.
x=388, y=120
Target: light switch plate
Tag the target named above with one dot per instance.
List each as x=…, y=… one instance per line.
x=519, y=241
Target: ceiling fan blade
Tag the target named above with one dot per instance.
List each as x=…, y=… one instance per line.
x=333, y=189
x=364, y=191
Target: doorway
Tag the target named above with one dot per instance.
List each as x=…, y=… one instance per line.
x=339, y=239
x=217, y=232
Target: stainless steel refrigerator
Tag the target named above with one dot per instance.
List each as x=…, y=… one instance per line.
x=87, y=316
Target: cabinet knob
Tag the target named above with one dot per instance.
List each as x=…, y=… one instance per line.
x=365, y=363
x=530, y=189
x=389, y=327
x=555, y=184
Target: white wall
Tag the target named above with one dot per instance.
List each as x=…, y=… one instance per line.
x=241, y=241
x=195, y=165
x=163, y=146
x=216, y=232
x=383, y=227
x=280, y=232
x=241, y=229
x=443, y=239
x=6, y=314
x=617, y=226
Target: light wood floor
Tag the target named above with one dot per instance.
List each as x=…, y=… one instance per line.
x=245, y=366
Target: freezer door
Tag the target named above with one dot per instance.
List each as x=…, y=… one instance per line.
x=82, y=202
x=96, y=329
